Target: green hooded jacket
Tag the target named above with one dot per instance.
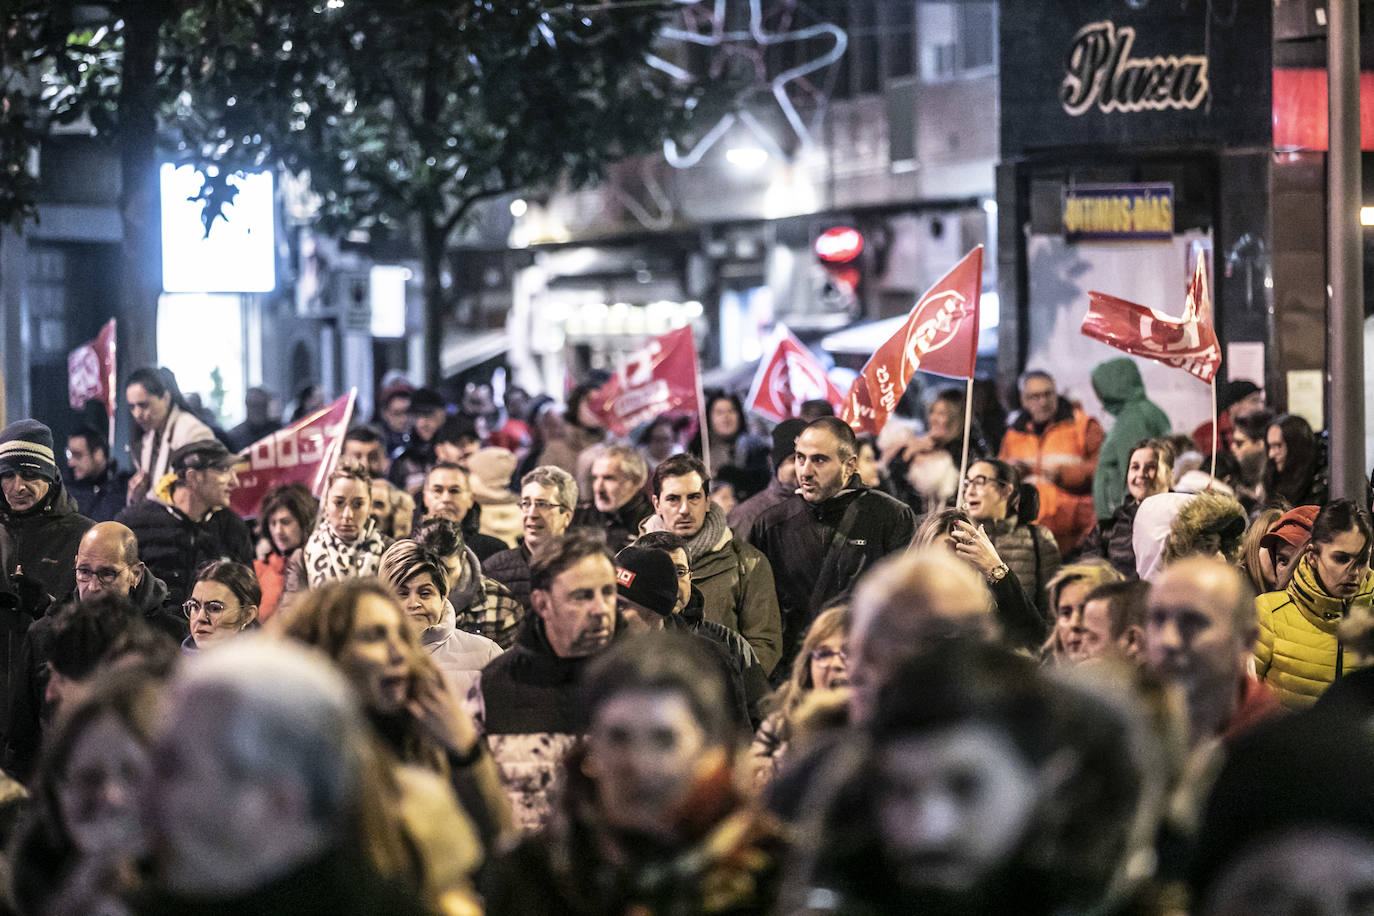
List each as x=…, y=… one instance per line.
x=1122, y=392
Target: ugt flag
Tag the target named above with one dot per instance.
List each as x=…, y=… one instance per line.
x=788, y=378
x=660, y=377
x=1189, y=343
x=940, y=336
x=91, y=371
x=305, y=452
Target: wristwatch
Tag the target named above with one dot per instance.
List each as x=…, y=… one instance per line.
x=998, y=573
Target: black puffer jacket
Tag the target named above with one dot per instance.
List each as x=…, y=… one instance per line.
x=512, y=569
x=174, y=547
x=795, y=536
x=1031, y=552
x=45, y=540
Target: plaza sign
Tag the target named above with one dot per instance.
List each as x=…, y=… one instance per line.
x=1100, y=72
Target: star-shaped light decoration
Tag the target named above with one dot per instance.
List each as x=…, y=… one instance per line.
x=705, y=25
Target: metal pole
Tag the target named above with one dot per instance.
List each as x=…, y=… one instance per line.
x=1345, y=310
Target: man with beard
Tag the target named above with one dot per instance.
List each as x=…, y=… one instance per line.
x=820, y=541
x=618, y=505
x=1299, y=651
x=526, y=700
x=1054, y=445
x=783, y=459
x=99, y=487
x=734, y=578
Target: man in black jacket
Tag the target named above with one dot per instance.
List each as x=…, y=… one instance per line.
x=36, y=511
x=97, y=484
x=175, y=540
x=106, y=564
x=822, y=540
x=526, y=700
x=618, y=505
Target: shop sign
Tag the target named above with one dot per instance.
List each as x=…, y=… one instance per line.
x=1101, y=73
x=1119, y=212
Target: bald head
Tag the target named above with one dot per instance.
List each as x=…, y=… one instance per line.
x=1200, y=628
x=107, y=561
x=901, y=606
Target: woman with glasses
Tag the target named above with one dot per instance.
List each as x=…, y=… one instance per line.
x=822, y=664
x=224, y=602
x=345, y=543
x=992, y=495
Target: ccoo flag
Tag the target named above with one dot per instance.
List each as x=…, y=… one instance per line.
x=660, y=377
x=788, y=378
x=1189, y=343
x=940, y=336
x=91, y=371
x=304, y=452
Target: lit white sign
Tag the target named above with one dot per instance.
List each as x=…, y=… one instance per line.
x=238, y=256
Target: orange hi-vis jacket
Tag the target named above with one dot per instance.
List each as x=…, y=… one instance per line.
x=1067, y=448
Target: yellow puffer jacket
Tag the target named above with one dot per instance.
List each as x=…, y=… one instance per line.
x=1298, y=652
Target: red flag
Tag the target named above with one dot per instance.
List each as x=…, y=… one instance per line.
x=660, y=377
x=304, y=452
x=91, y=371
x=940, y=336
x=789, y=377
x=1189, y=343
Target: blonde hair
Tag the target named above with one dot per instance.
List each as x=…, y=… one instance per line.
x=1251, y=559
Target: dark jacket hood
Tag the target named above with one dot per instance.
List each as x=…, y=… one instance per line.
x=1117, y=383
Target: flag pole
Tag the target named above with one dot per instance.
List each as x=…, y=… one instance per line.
x=1215, y=430
x=968, y=429
x=701, y=413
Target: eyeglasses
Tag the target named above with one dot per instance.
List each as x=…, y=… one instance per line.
x=539, y=505
x=979, y=482
x=213, y=609
x=825, y=655
x=105, y=575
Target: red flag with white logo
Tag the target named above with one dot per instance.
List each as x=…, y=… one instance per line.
x=1188, y=343
x=660, y=377
x=939, y=336
x=304, y=452
x=790, y=376
x=91, y=371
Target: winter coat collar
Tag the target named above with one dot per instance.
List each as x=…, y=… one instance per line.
x=1321, y=609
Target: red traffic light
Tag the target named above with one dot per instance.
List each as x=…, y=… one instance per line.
x=839, y=245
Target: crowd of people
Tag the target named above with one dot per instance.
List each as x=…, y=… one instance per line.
x=505, y=662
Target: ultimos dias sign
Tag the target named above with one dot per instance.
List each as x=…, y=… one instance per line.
x=1117, y=213
x=1099, y=70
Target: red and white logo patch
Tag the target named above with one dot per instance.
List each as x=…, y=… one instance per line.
x=624, y=577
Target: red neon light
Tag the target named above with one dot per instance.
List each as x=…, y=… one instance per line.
x=839, y=245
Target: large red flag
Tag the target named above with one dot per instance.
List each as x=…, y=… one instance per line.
x=1189, y=343
x=940, y=336
x=305, y=452
x=660, y=377
x=91, y=371
x=787, y=378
